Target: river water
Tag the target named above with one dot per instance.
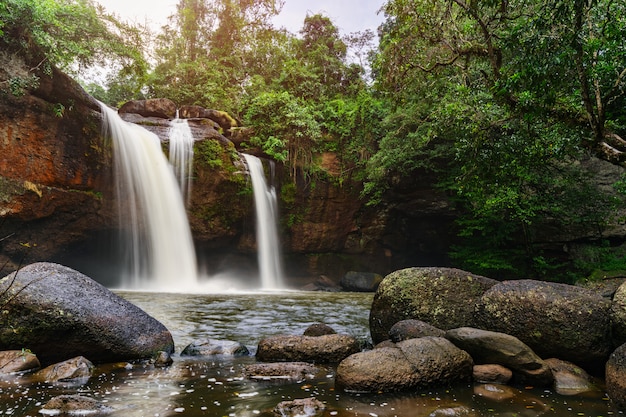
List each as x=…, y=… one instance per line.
x=214, y=386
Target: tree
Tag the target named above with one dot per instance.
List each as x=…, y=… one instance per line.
x=485, y=94
x=70, y=34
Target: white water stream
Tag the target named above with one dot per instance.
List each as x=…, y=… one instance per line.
x=181, y=155
x=268, y=244
x=157, y=241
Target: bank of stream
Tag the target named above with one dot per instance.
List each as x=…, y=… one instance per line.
x=214, y=386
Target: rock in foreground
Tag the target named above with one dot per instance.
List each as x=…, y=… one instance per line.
x=412, y=364
x=554, y=320
x=59, y=313
x=442, y=297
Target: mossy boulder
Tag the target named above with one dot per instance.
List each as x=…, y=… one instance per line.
x=59, y=313
x=555, y=320
x=442, y=297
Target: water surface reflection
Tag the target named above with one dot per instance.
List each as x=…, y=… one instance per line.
x=215, y=387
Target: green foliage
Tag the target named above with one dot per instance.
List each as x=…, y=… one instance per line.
x=66, y=33
x=211, y=153
x=284, y=128
x=501, y=101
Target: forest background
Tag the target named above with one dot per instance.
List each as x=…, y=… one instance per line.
x=500, y=100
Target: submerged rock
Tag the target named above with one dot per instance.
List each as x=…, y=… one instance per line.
x=304, y=407
x=616, y=377
x=570, y=379
x=319, y=329
x=59, y=313
x=281, y=371
x=329, y=348
x=212, y=347
x=360, y=281
x=75, y=405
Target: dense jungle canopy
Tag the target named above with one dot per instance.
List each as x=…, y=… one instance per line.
x=500, y=99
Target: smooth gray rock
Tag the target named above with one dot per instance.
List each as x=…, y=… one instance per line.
x=59, y=313
x=487, y=347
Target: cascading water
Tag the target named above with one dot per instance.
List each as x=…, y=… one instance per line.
x=268, y=245
x=181, y=154
x=159, y=246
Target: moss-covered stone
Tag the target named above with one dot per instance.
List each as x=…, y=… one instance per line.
x=442, y=297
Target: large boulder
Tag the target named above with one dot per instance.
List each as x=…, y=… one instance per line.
x=360, y=281
x=554, y=320
x=329, y=348
x=223, y=119
x=488, y=347
x=442, y=297
x=412, y=364
x=618, y=315
x=59, y=313
x=616, y=377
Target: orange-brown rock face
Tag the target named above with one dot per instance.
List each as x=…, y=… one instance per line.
x=54, y=169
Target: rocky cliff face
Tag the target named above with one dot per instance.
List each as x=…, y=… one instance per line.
x=54, y=165
x=56, y=197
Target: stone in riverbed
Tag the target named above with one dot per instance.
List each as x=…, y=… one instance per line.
x=319, y=329
x=211, y=347
x=281, y=371
x=329, y=348
x=570, y=379
x=492, y=374
x=413, y=364
x=301, y=407
x=76, y=370
x=616, y=377
x=75, y=405
x=18, y=361
x=554, y=320
x=487, y=347
x=412, y=329
x=442, y=297
x=59, y=313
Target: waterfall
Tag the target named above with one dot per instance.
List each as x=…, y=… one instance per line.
x=158, y=243
x=181, y=154
x=268, y=245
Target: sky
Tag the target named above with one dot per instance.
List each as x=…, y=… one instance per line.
x=348, y=15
